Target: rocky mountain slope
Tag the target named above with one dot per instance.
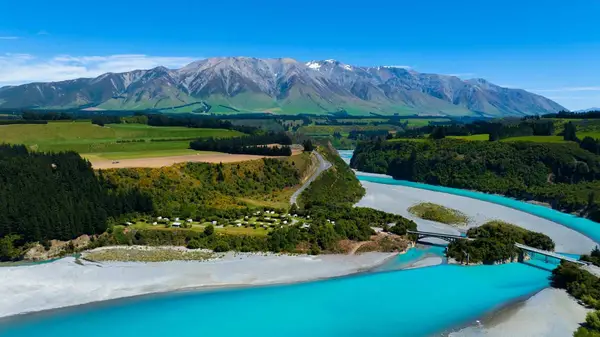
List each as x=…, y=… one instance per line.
x=281, y=86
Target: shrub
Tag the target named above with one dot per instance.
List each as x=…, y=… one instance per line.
x=209, y=230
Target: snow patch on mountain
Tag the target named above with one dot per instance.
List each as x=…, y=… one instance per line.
x=313, y=65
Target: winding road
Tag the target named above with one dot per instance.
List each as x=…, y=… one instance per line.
x=323, y=165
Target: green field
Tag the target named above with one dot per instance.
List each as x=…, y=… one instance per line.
x=84, y=137
x=417, y=122
x=144, y=154
x=420, y=140
x=536, y=139
x=595, y=135
x=344, y=130
x=483, y=136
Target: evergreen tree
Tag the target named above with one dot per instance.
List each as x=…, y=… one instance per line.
x=308, y=145
x=570, y=132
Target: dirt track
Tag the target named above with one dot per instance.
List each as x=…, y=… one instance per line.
x=168, y=161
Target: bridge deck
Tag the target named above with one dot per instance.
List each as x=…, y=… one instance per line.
x=439, y=235
x=550, y=254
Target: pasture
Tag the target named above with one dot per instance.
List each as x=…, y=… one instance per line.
x=84, y=137
x=535, y=139
x=483, y=136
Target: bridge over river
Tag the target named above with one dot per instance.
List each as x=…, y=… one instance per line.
x=524, y=248
x=448, y=237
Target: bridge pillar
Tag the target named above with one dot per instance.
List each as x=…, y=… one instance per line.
x=521, y=255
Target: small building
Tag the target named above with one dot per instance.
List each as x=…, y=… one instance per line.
x=305, y=226
x=176, y=219
x=284, y=222
x=189, y=220
x=214, y=222
x=308, y=216
x=239, y=225
x=128, y=223
x=154, y=223
x=166, y=219
x=295, y=215
x=333, y=222
x=176, y=224
x=159, y=218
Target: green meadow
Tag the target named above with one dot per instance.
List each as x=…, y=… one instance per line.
x=84, y=137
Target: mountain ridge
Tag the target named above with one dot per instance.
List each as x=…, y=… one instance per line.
x=281, y=85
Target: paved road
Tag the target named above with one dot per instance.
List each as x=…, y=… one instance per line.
x=323, y=165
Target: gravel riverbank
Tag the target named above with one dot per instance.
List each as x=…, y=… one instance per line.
x=397, y=199
x=68, y=281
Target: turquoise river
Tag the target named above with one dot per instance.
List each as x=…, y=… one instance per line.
x=388, y=302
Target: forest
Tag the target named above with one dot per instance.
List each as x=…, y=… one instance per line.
x=332, y=196
x=497, y=130
x=253, y=144
x=585, y=287
x=495, y=242
x=55, y=196
x=561, y=174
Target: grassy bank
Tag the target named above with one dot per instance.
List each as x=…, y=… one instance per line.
x=439, y=213
x=147, y=254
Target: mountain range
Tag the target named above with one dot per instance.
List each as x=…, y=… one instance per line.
x=283, y=85
x=588, y=110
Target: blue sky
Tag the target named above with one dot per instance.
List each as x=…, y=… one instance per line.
x=548, y=47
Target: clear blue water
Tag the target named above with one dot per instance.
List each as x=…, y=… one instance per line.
x=417, y=302
x=412, y=255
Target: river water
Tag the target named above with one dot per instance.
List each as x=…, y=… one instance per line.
x=416, y=302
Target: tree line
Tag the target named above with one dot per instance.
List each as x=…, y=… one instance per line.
x=103, y=120
x=253, y=144
x=496, y=129
x=574, y=115
x=46, y=116
x=585, y=287
x=192, y=121
x=561, y=174
x=55, y=196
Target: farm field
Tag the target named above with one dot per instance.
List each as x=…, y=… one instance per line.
x=142, y=154
x=417, y=122
x=344, y=130
x=484, y=136
x=536, y=139
x=420, y=140
x=84, y=137
x=595, y=135
x=168, y=160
